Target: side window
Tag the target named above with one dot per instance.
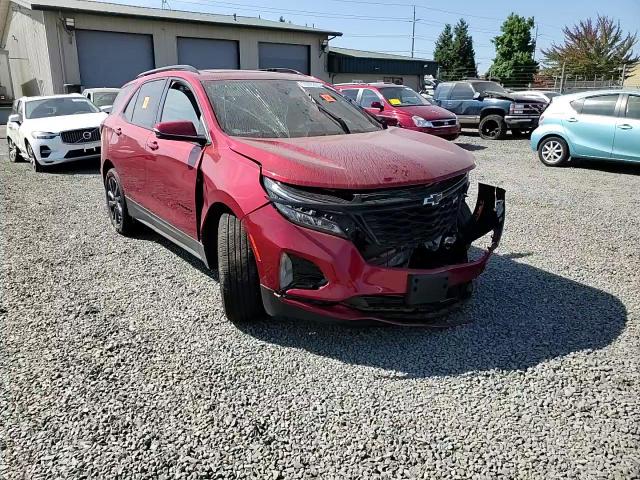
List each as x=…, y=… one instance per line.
x=351, y=93
x=442, y=91
x=577, y=105
x=14, y=107
x=146, y=104
x=461, y=91
x=128, y=112
x=600, y=105
x=122, y=96
x=368, y=97
x=180, y=104
x=633, y=107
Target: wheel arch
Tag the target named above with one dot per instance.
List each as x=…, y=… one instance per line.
x=209, y=231
x=106, y=166
x=553, y=134
x=491, y=111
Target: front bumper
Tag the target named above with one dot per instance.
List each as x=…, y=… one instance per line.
x=54, y=151
x=521, y=121
x=356, y=290
x=449, y=132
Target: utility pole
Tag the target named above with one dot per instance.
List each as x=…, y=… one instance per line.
x=535, y=43
x=624, y=74
x=562, y=80
x=413, y=31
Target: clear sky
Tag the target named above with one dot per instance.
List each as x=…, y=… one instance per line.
x=386, y=26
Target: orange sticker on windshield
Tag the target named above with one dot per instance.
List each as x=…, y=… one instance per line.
x=145, y=102
x=327, y=98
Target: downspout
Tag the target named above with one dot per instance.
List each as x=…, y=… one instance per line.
x=62, y=63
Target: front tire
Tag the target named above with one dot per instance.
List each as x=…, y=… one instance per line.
x=35, y=164
x=553, y=152
x=14, y=153
x=123, y=223
x=492, y=127
x=239, y=281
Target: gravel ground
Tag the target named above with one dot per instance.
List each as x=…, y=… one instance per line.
x=117, y=361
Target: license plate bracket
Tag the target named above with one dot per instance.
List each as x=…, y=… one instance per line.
x=431, y=288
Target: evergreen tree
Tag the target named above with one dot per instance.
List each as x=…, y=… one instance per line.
x=514, y=64
x=464, y=56
x=443, y=51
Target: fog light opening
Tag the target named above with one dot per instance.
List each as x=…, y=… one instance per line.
x=286, y=271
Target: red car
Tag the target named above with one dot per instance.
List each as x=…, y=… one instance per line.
x=307, y=206
x=402, y=107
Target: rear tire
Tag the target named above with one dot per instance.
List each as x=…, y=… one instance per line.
x=239, y=280
x=14, y=152
x=123, y=223
x=553, y=152
x=492, y=127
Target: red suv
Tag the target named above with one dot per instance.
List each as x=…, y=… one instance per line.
x=308, y=206
x=402, y=107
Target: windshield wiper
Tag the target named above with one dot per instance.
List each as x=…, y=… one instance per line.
x=331, y=115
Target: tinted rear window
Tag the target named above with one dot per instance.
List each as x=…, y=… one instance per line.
x=600, y=105
x=633, y=107
x=145, y=110
x=442, y=91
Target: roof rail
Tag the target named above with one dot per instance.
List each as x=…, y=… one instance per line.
x=168, y=68
x=282, y=70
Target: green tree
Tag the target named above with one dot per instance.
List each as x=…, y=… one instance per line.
x=464, y=56
x=597, y=47
x=514, y=64
x=443, y=51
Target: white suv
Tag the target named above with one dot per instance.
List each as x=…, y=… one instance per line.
x=54, y=129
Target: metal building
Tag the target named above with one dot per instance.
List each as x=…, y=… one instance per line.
x=53, y=43
x=348, y=65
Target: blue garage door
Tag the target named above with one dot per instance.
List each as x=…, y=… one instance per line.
x=111, y=59
x=208, y=53
x=284, y=55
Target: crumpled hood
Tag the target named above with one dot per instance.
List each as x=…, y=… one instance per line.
x=65, y=122
x=384, y=158
x=428, y=112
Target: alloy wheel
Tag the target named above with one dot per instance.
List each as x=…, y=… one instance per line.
x=552, y=151
x=13, y=151
x=115, y=202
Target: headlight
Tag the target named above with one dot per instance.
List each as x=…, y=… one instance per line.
x=307, y=216
x=421, y=122
x=44, y=135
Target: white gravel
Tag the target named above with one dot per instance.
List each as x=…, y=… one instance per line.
x=117, y=362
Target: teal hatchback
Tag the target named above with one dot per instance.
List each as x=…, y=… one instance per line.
x=600, y=125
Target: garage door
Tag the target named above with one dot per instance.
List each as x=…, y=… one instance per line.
x=208, y=53
x=284, y=55
x=111, y=59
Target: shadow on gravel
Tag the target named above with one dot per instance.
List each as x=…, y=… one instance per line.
x=626, y=168
x=471, y=147
x=519, y=317
x=83, y=167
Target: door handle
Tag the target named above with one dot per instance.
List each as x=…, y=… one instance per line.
x=153, y=145
x=625, y=126
x=118, y=131
x=572, y=119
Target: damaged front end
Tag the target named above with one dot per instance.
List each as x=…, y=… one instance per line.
x=422, y=227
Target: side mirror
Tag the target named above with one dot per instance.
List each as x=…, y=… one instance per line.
x=106, y=108
x=377, y=105
x=15, y=118
x=181, y=130
x=477, y=96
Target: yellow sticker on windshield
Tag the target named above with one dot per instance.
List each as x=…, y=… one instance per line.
x=395, y=101
x=145, y=102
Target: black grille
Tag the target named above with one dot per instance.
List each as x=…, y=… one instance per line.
x=84, y=135
x=306, y=274
x=530, y=108
x=413, y=225
x=444, y=123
